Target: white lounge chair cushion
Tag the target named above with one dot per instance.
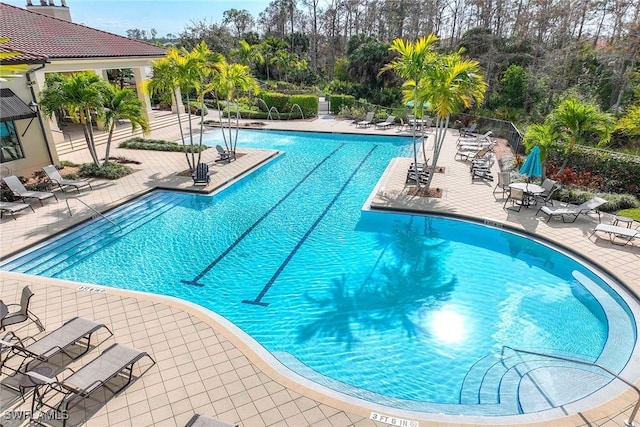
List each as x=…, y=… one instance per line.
x=618, y=231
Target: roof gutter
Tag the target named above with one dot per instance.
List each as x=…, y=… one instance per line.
x=33, y=97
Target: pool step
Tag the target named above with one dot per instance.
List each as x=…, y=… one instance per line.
x=68, y=246
x=523, y=383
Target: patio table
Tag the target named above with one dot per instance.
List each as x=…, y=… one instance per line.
x=530, y=190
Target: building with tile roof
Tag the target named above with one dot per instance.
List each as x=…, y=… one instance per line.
x=45, y=39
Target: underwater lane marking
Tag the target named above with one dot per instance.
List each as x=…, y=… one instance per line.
x=195, y=280
x=258, y=300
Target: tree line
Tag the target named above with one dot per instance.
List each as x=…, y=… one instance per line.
x=533, y=53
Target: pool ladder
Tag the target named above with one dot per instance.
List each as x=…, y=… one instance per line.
x=634, y=412
x=96, y=213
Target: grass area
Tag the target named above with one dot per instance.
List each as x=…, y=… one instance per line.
x=633, y=213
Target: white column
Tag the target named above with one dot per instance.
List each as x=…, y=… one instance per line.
x=180, y=107
x=140, y=76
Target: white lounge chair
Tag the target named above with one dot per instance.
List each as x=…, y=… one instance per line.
x=368, y=121
x=475, y=139
x=572, y=212
x=387, y=123
x=13, y=207
x=55, y=177
x=18, y=190
x=615, y=232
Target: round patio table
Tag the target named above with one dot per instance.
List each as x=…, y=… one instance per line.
x=528, y=188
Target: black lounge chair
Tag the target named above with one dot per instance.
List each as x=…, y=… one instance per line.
x=116, y=361
x=201, y=175
x=56, y=342
x=9, y=317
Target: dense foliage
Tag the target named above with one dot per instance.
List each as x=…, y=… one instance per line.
x=158, y=145
x=109, y=170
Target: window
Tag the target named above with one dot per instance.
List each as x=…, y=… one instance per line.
x=10, y=148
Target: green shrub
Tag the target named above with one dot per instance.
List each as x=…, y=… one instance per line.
x=275, y=99
x=138, y=143
x=633, y=213
x=338, y=102
x=615, y=202
x=308, y=104
x=69, y=163
x=620, y=172
x=109, y=171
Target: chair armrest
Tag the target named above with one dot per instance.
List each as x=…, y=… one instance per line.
x=43, y=379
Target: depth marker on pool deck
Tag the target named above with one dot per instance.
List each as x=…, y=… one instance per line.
x=263, y=292
x=194, y=282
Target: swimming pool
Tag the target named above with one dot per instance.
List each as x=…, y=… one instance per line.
x=421, y=309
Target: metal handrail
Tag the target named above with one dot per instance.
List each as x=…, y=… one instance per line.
x=97, y=213
x=634, y=412
x=63, y=135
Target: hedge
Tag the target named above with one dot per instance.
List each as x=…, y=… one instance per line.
x=337, y=102
x=275, y=99
x=620, y=172
x=308, y=104
x=159, y=145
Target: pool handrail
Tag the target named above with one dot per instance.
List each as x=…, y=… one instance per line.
x=94, y=210
x=634, y=412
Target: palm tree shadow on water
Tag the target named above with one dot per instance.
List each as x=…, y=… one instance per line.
x=408, y=279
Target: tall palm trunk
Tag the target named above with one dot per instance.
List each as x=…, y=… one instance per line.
x=175, y=102
x=108, y=148
x=440, y=133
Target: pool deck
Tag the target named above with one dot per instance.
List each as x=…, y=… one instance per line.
x=203, y=366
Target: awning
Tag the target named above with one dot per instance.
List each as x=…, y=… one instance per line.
x=12, y=107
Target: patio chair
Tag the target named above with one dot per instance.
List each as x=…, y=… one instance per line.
x=55, y=342
x=201, y=175
x=22, y=193
x=615, y=232
x=199, y=420
x=223, y=155
x=116, y=361
x=517, y=198
x=480, y=172
x=390, y=121
x=572, y=212
x=55, y=177
x=504, y=179
x=421, y=177
x=13, y=207
x=468, y=131
x=368, y=120
x=10, y=317
x=550, y=186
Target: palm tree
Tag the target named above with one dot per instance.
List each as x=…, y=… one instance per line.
x=542, y=135
x=227, y=81
x=449, y=85
x=412, y=64
x=123, y=104
x=579, y=122
x=81, y=95
x=187, y=71
x=270, y=48
x=247, y=54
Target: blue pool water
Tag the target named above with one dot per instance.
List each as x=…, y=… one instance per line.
x=407, y=311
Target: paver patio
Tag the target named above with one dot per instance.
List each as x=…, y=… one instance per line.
x=203, y=366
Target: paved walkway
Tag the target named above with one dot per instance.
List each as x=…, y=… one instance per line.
x=203, y=366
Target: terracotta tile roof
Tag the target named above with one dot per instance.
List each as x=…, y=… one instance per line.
x=37, y=34
x=22, y=57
